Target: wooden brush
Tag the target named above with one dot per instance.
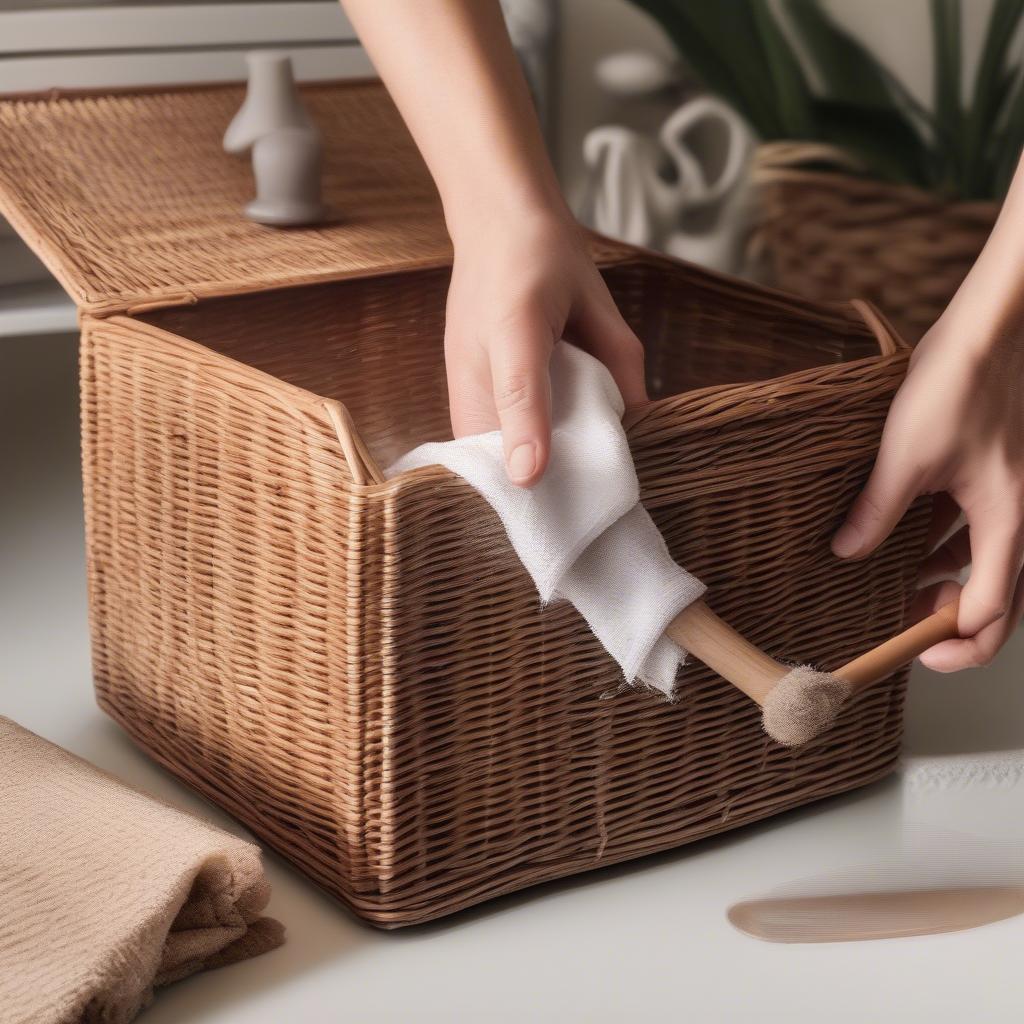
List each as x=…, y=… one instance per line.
x=800, y=702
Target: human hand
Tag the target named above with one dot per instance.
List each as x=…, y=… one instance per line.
x=956, y=429
x=522, y=278
x=517, y=288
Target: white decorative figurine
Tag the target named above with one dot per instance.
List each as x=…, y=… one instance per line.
x=286, y=150
x=667, y=192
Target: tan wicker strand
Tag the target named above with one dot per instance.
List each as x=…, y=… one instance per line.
x=359, y=669
x=831, y=234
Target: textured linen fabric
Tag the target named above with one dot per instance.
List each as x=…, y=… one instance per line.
x=581, y=532
x=106, y=893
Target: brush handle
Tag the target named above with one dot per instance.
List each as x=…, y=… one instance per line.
x=883, y=660
x=700, y=631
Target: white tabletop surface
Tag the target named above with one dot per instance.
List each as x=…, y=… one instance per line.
x=647, y=941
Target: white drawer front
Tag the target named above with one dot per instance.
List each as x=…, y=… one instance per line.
x=146, y=44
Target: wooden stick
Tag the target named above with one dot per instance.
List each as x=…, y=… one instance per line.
x=877, y=664
x=701, y=632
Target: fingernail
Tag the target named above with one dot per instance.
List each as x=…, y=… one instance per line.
x=846, y=543
x=522, y=462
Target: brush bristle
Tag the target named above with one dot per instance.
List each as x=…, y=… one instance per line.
x=803, y=704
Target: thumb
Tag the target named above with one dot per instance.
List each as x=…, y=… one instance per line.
x=522, y=396
x=892, y=486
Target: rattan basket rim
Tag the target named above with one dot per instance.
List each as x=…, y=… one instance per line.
x=667, y=411
x=786, y=162
x=368, y=477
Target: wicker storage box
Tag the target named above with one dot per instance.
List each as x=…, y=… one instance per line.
x=830, y=235
x=357, y=669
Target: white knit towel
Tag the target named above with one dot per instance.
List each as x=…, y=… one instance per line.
x=581, y=532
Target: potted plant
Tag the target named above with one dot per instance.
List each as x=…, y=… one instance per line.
x=862, y=191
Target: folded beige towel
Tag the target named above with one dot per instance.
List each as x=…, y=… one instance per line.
x=106, y=893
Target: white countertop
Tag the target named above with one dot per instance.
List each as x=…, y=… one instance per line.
x=643, y=941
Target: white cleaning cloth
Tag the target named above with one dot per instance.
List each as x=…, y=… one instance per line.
x=581, y=532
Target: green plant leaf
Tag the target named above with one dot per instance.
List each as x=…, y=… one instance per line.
x=849, y=72
x=947, y=72
x=855, y=80
x=1008, y=141
x=740, y=51
x=883, y=140
x=792, y=93
x=992, y=84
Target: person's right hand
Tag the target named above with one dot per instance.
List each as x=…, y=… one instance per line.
x=522, y=278
x=517, y=288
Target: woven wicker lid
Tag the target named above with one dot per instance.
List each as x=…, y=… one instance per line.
x=131, y=202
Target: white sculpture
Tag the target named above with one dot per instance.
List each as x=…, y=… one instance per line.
x=287, y=167
x=632, y=73
x=285, y=144
x=665, y=192
x=271, y=101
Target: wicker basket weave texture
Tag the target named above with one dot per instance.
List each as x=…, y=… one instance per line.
x=359, y=670
x=831, y=235
x=363, y=675
x=103, y=187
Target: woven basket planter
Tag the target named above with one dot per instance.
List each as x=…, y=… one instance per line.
x=359, y=669
x=832, y=235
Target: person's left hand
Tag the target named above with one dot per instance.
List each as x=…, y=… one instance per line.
x=956, y=429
